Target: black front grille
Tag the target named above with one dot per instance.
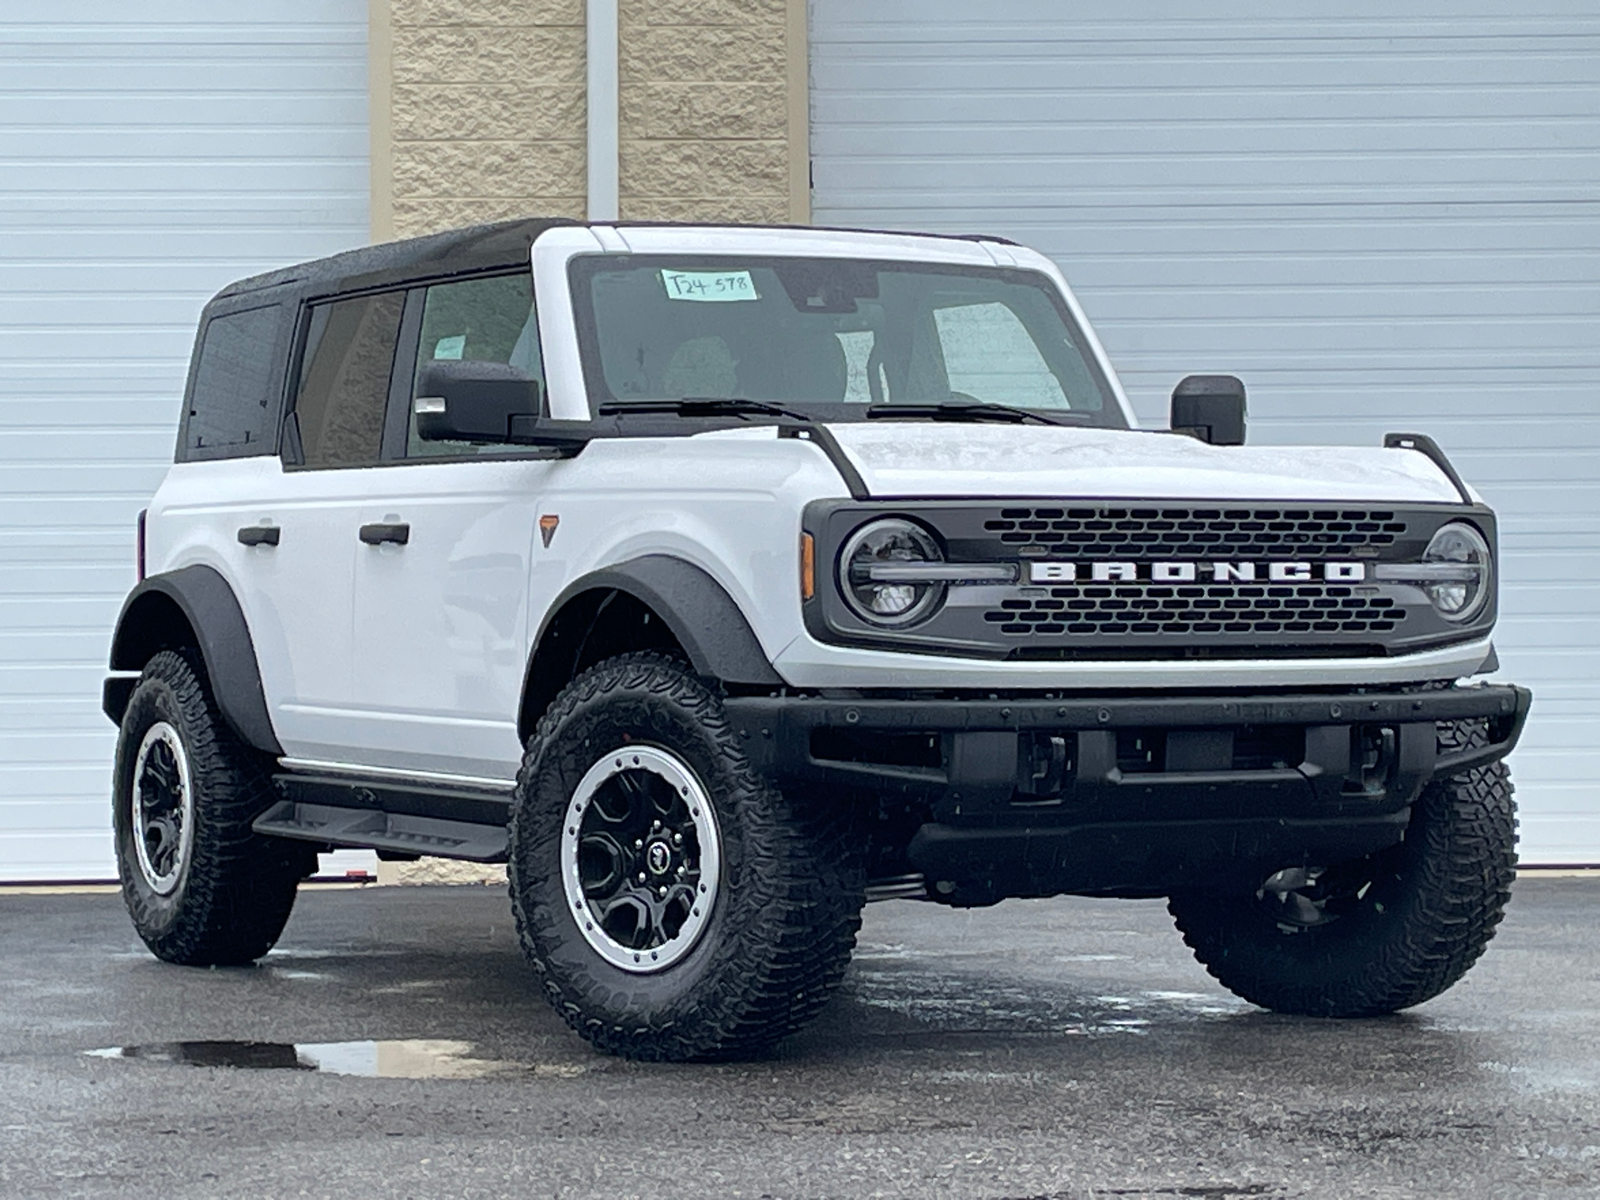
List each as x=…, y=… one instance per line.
x=1199, y=610
x=1168, y=532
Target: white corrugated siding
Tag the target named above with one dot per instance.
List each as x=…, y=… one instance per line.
x=1385, y=216
x=149, y=153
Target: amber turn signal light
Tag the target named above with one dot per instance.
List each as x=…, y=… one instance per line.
x=808, y=566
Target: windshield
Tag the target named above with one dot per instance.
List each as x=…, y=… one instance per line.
x=832, y=337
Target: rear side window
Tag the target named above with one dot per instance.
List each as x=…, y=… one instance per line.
x=231, y=409
x=344, y=379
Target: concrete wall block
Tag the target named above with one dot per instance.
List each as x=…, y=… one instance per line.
x=487, y=12
x=750, y=210
x=487, y=170
x=715, y=110
x=496, y=111
x=413, y=218
x=704, y=168
x=700, y=13
x=730, y=54
x=519, y=55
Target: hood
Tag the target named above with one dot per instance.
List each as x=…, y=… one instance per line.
x=906, y=458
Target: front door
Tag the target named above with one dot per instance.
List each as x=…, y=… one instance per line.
x=441, y=621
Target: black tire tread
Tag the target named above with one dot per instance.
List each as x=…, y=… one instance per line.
x=1460, y=861
x=239, y=886
x=805, y=888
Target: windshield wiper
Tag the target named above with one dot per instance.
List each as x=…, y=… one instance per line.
x=972, y=410
x=804, y=425
x=705, y=406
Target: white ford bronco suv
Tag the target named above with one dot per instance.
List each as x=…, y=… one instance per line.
x=718, y=580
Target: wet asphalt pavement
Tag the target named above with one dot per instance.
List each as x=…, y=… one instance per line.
x=1064, y=1048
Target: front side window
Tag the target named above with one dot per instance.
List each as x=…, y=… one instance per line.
x=231, y=407
x=833, y=337
x=476, y=320
x=344, y=379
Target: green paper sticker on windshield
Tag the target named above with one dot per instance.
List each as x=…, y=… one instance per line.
x=450, y=348
x=709, y=285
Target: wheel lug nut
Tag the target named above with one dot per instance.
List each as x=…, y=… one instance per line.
x=641, y=876
x=638, y=843
x=655, y=824
x=677, y=839
x=663, y=893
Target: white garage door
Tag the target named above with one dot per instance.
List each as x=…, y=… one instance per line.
x=149, y=153
x=1383, y=217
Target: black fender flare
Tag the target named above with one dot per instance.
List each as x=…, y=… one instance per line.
x=696, y=609
x=207, y=603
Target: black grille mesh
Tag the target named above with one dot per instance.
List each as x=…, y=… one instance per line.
x=1199, y=609
x=1169, y=532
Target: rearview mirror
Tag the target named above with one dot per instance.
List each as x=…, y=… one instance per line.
x=473, y=401
x=1211, y=408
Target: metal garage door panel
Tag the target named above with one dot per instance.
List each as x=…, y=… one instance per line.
x=148, y=155
x=1384, y=218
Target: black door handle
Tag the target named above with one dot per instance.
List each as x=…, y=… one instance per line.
x=377, y=535
x=259, y=535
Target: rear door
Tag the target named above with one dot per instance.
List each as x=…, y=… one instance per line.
x=297, y=580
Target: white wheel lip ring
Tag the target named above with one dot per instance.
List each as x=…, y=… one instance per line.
x=687, y=784
x=162, y=885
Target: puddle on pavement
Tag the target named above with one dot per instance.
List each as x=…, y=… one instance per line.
x=411, y=1059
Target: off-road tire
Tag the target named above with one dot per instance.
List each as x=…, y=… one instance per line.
x=236, y=888
x=1432, y=906
x=792, y=881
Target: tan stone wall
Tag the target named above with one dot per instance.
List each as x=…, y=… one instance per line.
x=485, y=112
x=705, y=101
x=478, y=111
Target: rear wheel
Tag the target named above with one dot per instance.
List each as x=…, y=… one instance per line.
x=1379, y=933
x=202, y=887
x=674, y=904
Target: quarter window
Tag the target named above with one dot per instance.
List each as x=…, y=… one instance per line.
x=476, y=320
x=344, y=379
x=231, y=409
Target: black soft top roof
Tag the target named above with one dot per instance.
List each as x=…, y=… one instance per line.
x=453, y=252
x=477, y=247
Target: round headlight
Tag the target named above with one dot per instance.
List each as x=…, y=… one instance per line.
x=878, y=577
x=1460, y=583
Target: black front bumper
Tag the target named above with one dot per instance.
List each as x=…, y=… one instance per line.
x=1129, y=795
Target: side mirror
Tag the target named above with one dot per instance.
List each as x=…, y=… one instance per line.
x=473, y=401
x=1211, y=408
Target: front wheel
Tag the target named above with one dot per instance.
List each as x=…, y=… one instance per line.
x=675, y=905
x=1380, y=933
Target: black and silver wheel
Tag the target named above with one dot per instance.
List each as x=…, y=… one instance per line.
x=642, y=858
x=163, y=808
x=1380, y=933
x=202, y=888
x=674, y=904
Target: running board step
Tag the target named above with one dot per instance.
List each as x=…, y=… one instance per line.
x=373, y=829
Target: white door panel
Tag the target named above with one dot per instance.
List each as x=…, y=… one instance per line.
x=296, y=596
x=441, y=623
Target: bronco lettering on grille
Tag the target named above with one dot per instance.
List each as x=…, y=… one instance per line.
x=1191, y=572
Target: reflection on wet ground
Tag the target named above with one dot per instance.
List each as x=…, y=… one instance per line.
x=971, y=995
x=403, y=1059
